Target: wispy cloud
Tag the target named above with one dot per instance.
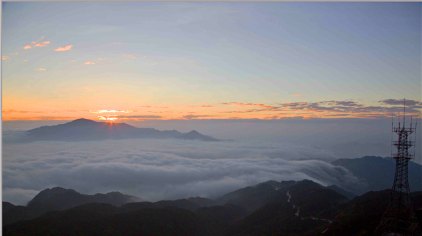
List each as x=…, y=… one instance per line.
x=41, y=69
x=330, y=109
x=149, y=106
x=64, y=48
x=39, y=43
x=196, y=116
x=130, y=56
x=243, y=104
x=113, y=115
x=19, y=111
x=37, y=117
x=203, y=106
x=27, y=46
x=240, y=110
x=353, y=109
x=109, y=111
x=297, y=95
x=139, y=117
x=107, y=118
x=402, y=102
x=89, y=63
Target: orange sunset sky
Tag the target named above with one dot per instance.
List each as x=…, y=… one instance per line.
x=163, y=61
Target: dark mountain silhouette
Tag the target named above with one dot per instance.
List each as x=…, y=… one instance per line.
x=362, y=215
x=304, y=207
x=104, y=219
x=278, y=208
x=191, y=204
x=377, y=173
x=191, y=216
x=343, y=192
x=254, y=197
x=60, y=199
x=84, y=129
x=221, y=218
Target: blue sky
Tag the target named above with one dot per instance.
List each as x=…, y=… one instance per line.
x=124, y=56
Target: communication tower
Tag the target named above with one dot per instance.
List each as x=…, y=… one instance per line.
x=399, y=218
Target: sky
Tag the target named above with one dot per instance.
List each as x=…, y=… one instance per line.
x=281, y=83
x=139, y=61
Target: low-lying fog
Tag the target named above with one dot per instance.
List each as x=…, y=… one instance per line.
x=167, y=169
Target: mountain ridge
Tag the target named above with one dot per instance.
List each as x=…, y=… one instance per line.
x=84, y=129
x=56, y=199
x=299, y=208
x=370, y=180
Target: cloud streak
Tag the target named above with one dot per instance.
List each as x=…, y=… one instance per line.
x=109, y=111
x=27, y=46
x=330, y=109
x=41, y=69
x=241, y=110
x=112, y=114
x=242, y=104
x=41, y=44
x=114, y=117
x=402, y=102
x=36, y=44
x=196, y=116
x=64, y=48
x=140, y=117
x=89, y=63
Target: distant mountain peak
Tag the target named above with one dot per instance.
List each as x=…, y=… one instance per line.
x=61, y=198
x=56, y=190
x=50, y=192
x=82, y=121
x=193, y=132
x=308, y=182
x=370, y=180
x=198, y=136
x=85, y=129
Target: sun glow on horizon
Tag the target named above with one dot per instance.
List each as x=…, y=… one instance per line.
x=108, y=118
x=200, y=65
x=229, y=110
x=109, y=111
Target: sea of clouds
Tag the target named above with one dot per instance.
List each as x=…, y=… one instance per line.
x=251, y=152
x=160, y=169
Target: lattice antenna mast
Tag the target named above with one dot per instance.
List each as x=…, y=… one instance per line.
x=403, y=155
x=399, y=219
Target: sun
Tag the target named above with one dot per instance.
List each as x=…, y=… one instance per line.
x=110, y=119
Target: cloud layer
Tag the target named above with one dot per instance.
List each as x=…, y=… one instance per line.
x=64, y=48
x=242, y=110
x=40, y=43
x=158, y=169
x=329, y=109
